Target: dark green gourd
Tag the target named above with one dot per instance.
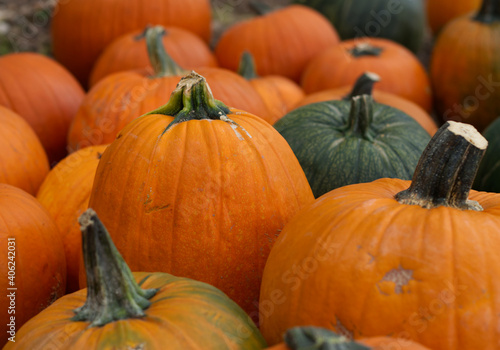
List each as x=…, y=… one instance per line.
x=488, y=174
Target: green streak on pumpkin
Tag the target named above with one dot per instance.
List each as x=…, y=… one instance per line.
x=316, y=338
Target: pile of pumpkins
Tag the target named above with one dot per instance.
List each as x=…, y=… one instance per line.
x=303, y=181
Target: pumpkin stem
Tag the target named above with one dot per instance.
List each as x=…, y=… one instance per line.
x=246, y=67
x=365, y=49
x=260, y=8
x=316, y=338
x=361, y=117
x=446, y=169
x=112, y=293
x=489, y=12
x=163, y=64
x=364, y=85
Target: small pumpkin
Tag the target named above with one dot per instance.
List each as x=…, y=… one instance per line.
x=471, y=96
x=65, y=193
x=419, y=255
x=282, y=41
x=125, y=310
x=23, y=161
x=339, y=143
x=129, y=51
x=364, y=85
x=401, y=72
x=488, y=174
x=440, y=12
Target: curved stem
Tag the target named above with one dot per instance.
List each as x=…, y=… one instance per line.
x=260, y=8
x=489, y=12
x=163, y=64
x=361, y=117
x=316, y=338
x=365, y=49
x=246, y=67
x=364, y=85
x=112, y=292
x=446, y=169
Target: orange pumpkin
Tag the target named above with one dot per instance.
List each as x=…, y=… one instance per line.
x=129, y=52
x=282, y=42
x=81, y=29
x=364, y=85
x=23, y=162
x=440, y=12
x=33, y=265
x=65, y=193
x=401, y=72
x=44, y=93
x=420, y=256
x=205, y=193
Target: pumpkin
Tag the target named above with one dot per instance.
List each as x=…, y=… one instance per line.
x=471, y=96
x=206, y=192
x=282, y=41
x=401, y=72
x=419, y=255
x=81, y=29
x=121, y=97
x=65, y=193
x=488, y=174
x=364, y=85
x=44, y=93
x=339, y=143
x=23, y=162
x=129, y=52
x=317, y=338
x=33, y=265
x=124, y=310
x=440, y=12
x=279, y=94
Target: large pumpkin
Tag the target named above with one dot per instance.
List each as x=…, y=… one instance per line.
x=23, y=161
x=129, y=51
x=121, y=310
x=413, y=260
x=440, y=12
x=33, y=264
x=44, y=93
x=65, y=193
x=340, y=143
x=402, y=21
x=202, y=190
x=81, y=29
x=364, y=85
x=282, y=41
x=488, y=174
x=400, y=71
x=466, y=87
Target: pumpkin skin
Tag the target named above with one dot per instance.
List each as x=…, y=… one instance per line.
x=440, y=12
x=472, y=95
x=424, y=271
x=65, y=193
x=129, y=52
x=173, y=313
x=23, y=161
x=402, y=21
x=406, y=106
x=488, y=174
x=334, y=152
x=400, y=71
x=47, y=97
x=38, y=259
x=282, y=42
x=216, y=197
x=81, y=29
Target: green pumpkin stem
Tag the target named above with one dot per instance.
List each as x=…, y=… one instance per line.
x=365, y=49
x=361, y=117
x=163, y=64
x=316, y=338
x=260, y=8
x=246, y=67
x=112, y=292
x=489, y=12
x=446, y=169
x=363, y=86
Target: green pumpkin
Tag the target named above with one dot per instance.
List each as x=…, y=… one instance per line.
x=400, y=20
x=488, y=175
x=340, y=143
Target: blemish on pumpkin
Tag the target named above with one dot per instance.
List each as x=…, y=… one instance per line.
x=156, y=208
x=400, y=277
x=341, y=329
